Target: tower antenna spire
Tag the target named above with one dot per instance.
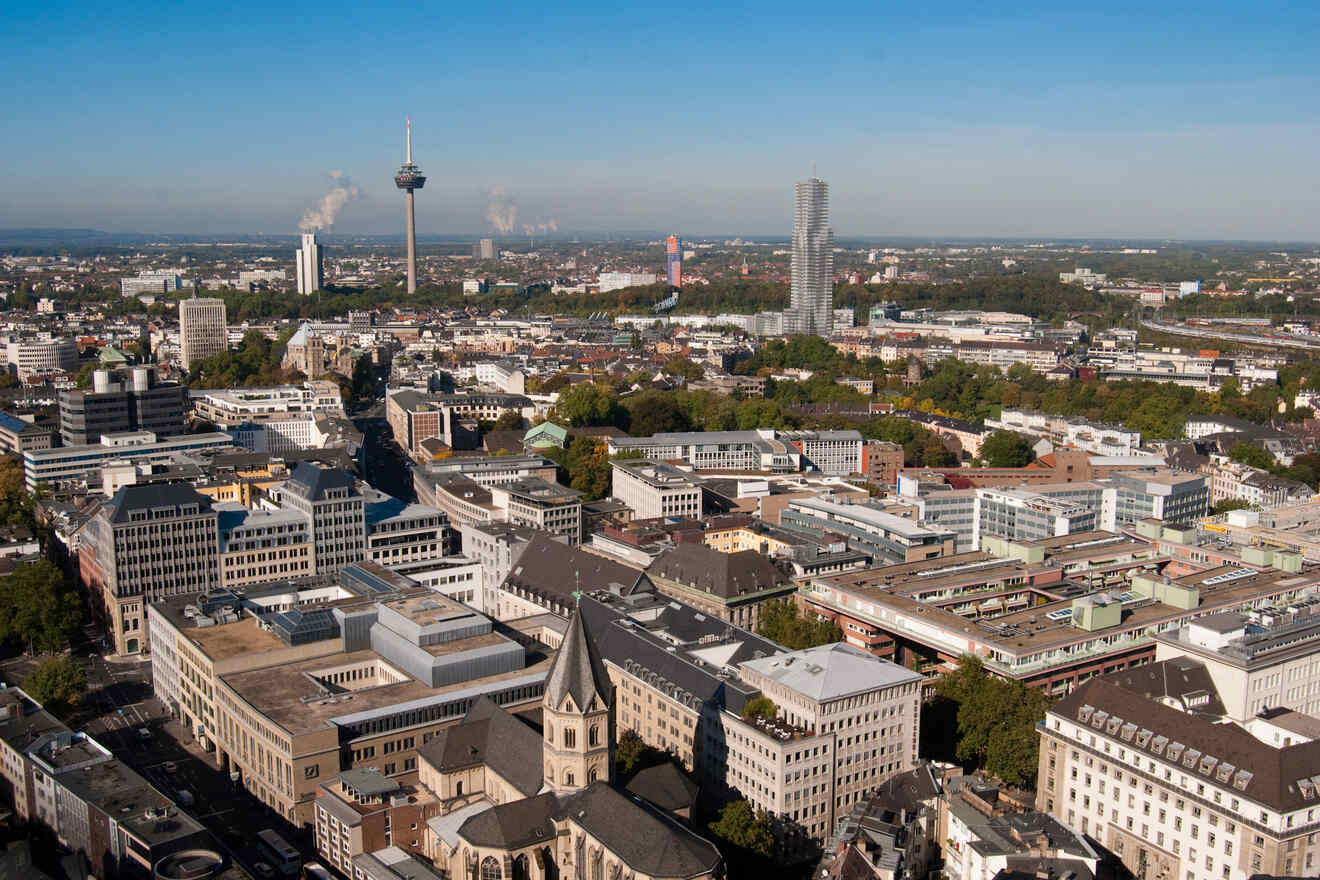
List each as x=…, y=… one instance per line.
x=409, y=139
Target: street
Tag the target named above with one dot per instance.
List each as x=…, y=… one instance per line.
x=118, y=704
x=385, y=465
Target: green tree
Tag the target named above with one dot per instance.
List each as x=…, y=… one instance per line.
x=655, y=412
x=57, y=684
x=509, y=421
x=993, y=722
x=1251, y=454
x=586, y=404
x=37, y=608
x=1006, y=449
x=741, y=826
x=630, y=751
x=84, y=377
x=780, y=622
x=364, y=379
x=684, y=368
x=760, y=707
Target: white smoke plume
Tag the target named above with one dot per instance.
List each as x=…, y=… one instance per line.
x=323, y=215
x=502, y=212
x=540, y=228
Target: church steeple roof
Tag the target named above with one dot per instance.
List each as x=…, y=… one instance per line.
x=577, y=670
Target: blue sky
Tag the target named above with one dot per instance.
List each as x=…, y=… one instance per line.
x=1174, y=120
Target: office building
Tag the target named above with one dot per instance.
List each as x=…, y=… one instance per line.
x=32, y=356
x=234, y=406
x=203, y=329
x=673, y=261
x=845, y=720
x=145, y=544
x=153, y=281
x=310, y=276
x=609, y=281
x=296, y=684
x=885, y=537
x=1050, y=613
x=1146, y=761
x=812, y=297
x=484, y=249
x=17, y=435
x=330, y=500
x=67, y=464
x=654, y=489
x=541, y=504
x=126, y=400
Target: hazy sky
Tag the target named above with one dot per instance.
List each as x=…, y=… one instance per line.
x=1182, y=120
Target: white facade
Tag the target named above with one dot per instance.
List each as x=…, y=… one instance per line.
x=812, y=296
x=619, y=280
x=309, y=264
x=655, y=490
x=36, y=356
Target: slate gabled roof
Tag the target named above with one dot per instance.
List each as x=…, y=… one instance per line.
x=312, y=481
x=488, y=735
x=727, y=575
x=577, y=669
x=152, y=496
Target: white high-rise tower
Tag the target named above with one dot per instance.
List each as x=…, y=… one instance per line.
x=813, y=261
x=309, y=264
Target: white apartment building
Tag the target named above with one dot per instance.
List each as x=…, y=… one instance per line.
x=1146, y=762
x=237, y=405
x=39, y=355
x=1098, y=439
x=858, y=718
x=653, y=489
x=619, y=280
x=758, y=450
x=203, y=329
x=838, y=453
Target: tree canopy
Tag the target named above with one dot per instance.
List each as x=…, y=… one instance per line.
x=37, y=608
x=1006, y=449
x=742, y=827
x=984, y=721
x=58, y=684
x=780, y=622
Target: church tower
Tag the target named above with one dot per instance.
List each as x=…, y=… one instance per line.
x=578, y=714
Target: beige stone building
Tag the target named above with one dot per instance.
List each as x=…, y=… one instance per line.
x=1146, y=762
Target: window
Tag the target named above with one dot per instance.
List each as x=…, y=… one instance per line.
x=570, y=738
x=490, y=869
x=311, y=771
x=593, y=736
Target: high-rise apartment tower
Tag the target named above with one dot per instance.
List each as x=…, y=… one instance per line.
x=813, y=261
x=309, y=264
x=673, y=261
x=203, y=329
x=409, y=178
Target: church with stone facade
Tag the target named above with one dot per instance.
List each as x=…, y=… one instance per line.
x=496, y=801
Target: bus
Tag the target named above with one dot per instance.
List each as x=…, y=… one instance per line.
x=279, y=853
